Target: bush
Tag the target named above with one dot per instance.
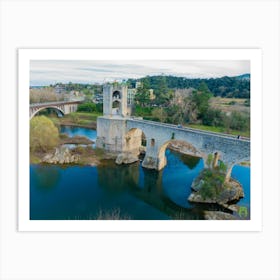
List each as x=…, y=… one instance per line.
x=43, y=134
x=87, y=107
x=213, y=117
x=213, y=183
x=239, y=121
x=99, y=107
x=143, y=111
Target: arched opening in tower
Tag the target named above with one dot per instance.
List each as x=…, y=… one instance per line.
x=116, y=95
x=116, y=108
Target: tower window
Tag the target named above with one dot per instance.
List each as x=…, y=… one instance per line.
x=116, y=95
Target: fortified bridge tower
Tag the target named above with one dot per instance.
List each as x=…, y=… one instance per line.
x=111, y=127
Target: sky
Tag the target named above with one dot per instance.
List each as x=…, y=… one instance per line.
x=46, y=72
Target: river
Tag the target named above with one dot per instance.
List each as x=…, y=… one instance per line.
x=125, y=191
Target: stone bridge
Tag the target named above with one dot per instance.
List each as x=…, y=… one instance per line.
x=61, y=107
x=124, y=135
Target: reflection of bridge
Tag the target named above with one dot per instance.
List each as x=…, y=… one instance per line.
x=61, y=107
x=116, y=132
x=149, y=189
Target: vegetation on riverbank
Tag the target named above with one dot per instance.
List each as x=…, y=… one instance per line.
x=195, y=107
x=82, y=119
x=44, y=135
x=46, y=144
x=212, y=187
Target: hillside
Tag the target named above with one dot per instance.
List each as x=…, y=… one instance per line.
x=229, y=87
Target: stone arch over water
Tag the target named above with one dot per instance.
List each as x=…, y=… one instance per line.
x=55, y=108
x=182, y=146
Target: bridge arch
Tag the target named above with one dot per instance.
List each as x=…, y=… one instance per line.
x=188, y=148
x=235, y=163
x=56, y=108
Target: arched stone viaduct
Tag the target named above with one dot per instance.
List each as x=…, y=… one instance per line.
x=124, y=135
x=63, y=107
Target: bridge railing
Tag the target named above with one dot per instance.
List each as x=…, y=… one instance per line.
x=54, y=103
x=183, y=128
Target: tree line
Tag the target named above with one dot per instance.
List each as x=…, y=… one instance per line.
x=231, y=87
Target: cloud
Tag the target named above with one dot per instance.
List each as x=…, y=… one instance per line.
x=45, y=72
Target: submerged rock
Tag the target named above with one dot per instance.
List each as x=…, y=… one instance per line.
x=126, y=158
x=62, y=155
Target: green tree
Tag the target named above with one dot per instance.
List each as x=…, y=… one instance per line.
x=142, y=95
x=213, y=117
x=201, y=98
x=239, y=121
x=163, y=94
x=87, y=107
x=43, y=134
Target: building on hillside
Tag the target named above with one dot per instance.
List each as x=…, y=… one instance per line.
x=131, y=92
x=60, y=89
x=130, y=95
x=152, y=96
x=97, y=98
x=138, y=84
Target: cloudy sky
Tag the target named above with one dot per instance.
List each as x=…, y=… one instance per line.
x=46, y=72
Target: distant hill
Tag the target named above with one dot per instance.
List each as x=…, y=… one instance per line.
x=231, y=87
x=244, y=77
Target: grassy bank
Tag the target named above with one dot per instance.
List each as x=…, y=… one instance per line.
x=82, y=119
x=220, y=130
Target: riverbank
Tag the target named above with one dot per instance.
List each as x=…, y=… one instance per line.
x=79, y=119
x=80, y=155
x=78, y=150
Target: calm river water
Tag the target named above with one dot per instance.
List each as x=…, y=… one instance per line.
x=128, y=191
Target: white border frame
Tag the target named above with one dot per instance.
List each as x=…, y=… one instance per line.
x=24, y=57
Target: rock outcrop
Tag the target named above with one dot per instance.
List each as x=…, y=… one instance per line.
x=233, y=191
x=126, y=158
x=62, y=155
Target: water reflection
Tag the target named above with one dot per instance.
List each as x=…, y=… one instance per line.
x=116, y=178
x=190, y=161
x=45, y=177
